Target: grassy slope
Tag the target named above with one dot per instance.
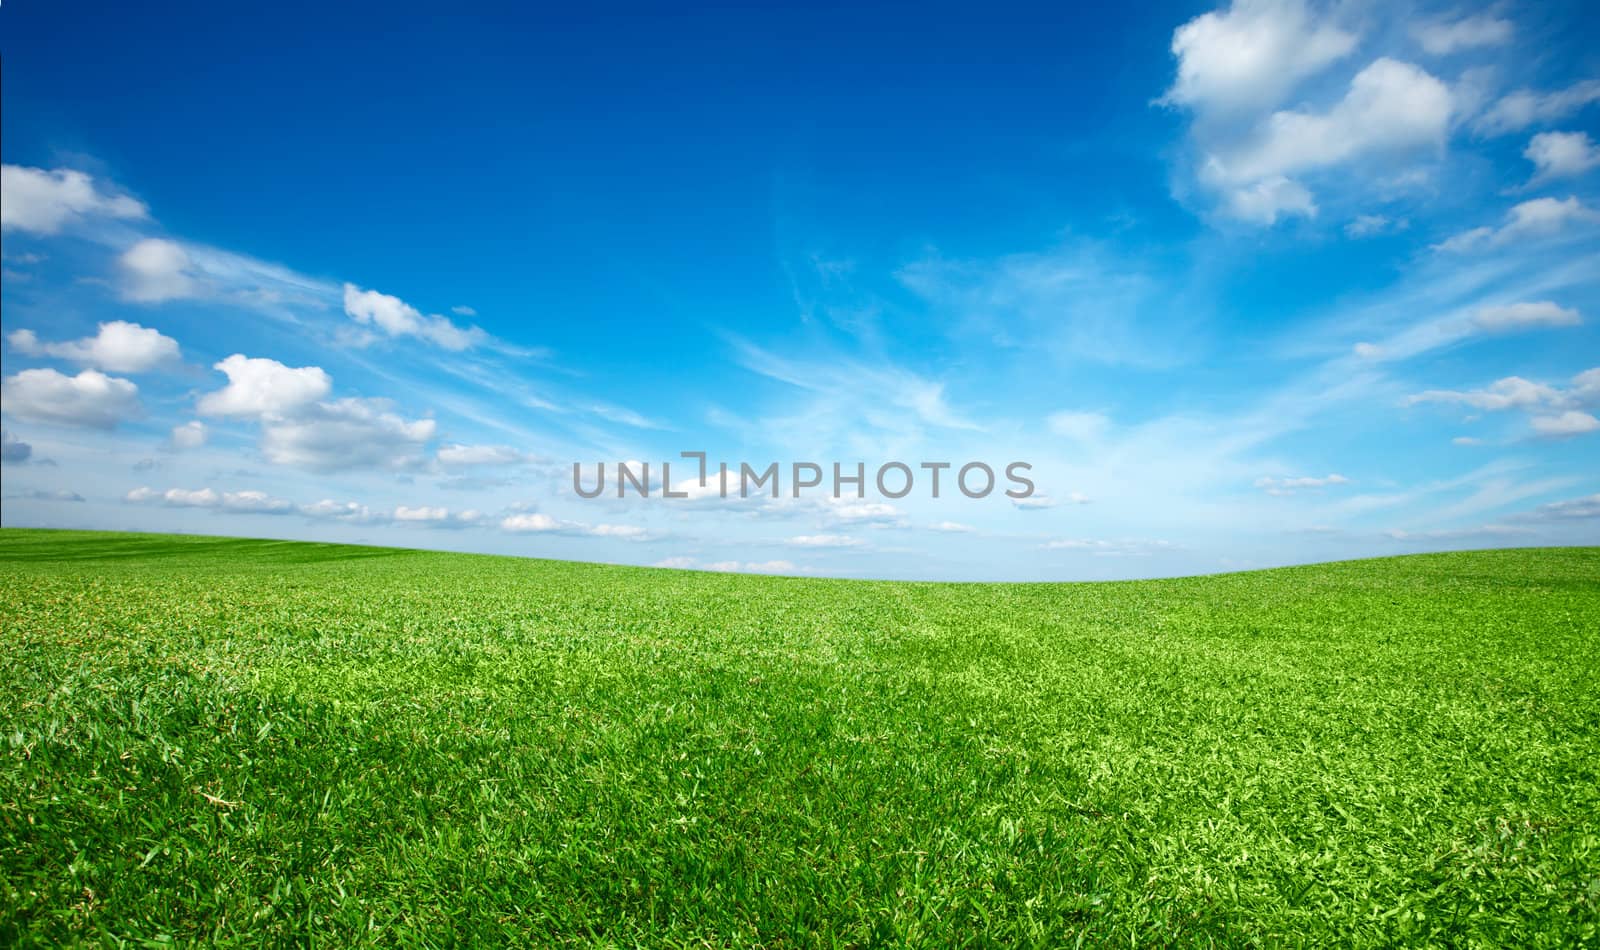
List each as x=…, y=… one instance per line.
x=243, y=740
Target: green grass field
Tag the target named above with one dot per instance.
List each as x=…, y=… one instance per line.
x=253, y=742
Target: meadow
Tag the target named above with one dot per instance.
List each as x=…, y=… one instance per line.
x=247, y=743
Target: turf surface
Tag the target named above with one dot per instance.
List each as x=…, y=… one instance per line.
x=251, y=742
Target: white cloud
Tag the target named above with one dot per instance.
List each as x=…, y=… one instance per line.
x=461, y=310
x=628, y=532
x=258, y=387
x=753, y=567
x=1561, y=154
x=395, y=317
x=1539, y=217
x=540, y=523
x=346, y=433
x=118, y=347
x=1442, y=37
x=676, y=563
x=189, y=435
x=435, y=517
x=951, y=527
x=299, y=430
x=824, y=541
x=1554, y=411
x=91, y=398
x=1267, y=200
x=1525, y=107
x=1367, y=351
x=43, y=202
x=422, y=513
x=859, y=511
x=1520, y=316
x=1571, y=422
x=13, y=450
x=1100, y=548
x=258, y=502
x=1289, y=486
x=456, y=454
x=347, y=511
x=532, y=521
x=1390, y=106
x=1034, y=502
x=1465, y=440
x=248, y=501
x=1513, y=392
x=1370, y=225
x=156, y=269
x=1251, y=55
x=1574, y=509
x=1488, y=531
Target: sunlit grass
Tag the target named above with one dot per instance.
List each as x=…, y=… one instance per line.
x=260, y=742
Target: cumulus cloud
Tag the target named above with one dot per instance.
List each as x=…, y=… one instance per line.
x=43, y=202
x=1443, y=37
x=1270, y=199
x=1390, y=106
x=1526, y=107
x=251, y=501
x=90, y=399
x=1571, y=422
x=156, y=269
x=1255, y=164
x=347, y=511
x=346, y=433
x=1539, y=217
x=951, y=527
x=248, y=501
x=1561, y=155
x=436, y=517
x=725, y=567
x=1103, y=548
x=258, y=387
x=13, y=451
x=858, y=511
x=532, y=522
x=1289, y=486
x=189, y=435
x=117, y=347
x=298, y=428
x=456, y=455
x=539, y=523
x=753, y=567
x=1251, y=55
x=1555, y=412
x=1522, y=316
x=824, y=541
x=395, y=317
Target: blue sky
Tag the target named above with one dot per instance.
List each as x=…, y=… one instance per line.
x=1246, y=285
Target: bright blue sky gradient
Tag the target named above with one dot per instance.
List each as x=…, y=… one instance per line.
x=1250, y=285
